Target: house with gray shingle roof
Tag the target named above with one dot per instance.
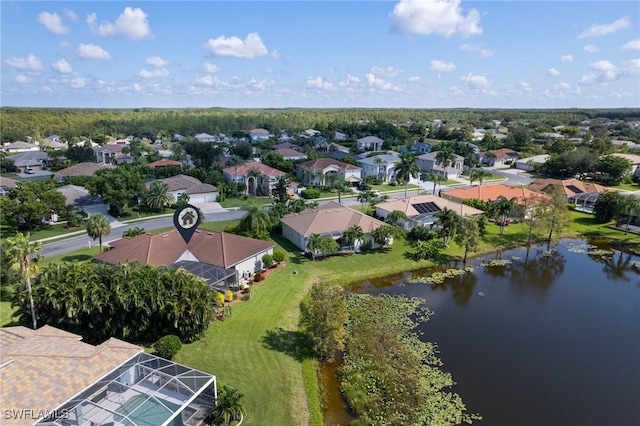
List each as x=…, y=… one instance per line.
x=19, y=146
x=81, y=169
x=369, y=143
x=197, y=191
x=35, y=160
x=328, y=219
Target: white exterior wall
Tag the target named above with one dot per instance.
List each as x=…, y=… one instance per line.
x=293, y=236
x=252, y=264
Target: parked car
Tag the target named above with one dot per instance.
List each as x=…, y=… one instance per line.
x=364, y=187
x=29, y=171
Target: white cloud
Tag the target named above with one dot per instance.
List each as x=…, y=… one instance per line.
x=591, y=48
x=64, y=44
x=553, y=71
x=350, y=82
x=380, y=84
x=597, y=30
x=31, y=63
x=91, y=51
x=443, y=66
x=386, y=72
x=132, y=24
x=251, y=47
x=319, y=83
x=77, y=83
x=62, y=66
x=157, y=73
x=52, y=22
x=413, y=79
x=22, y=79
x=207, y=80
x=485, y=53
x=438, y=17
x=566, y=58
x=71, y=15
x=156, y=61
x=563, y=86
x=632, y=45
x=476, y=83
x=602, y=72
x=275, y=54
x=208, y=67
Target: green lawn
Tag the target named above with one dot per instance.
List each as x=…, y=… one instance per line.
x=393, y=188
x=45, y=232
x=626, y=187
x=232, y=202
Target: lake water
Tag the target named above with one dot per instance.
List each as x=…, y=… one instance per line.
x=555, y=342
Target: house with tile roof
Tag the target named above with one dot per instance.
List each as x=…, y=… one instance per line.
x=112, y=154
x=259, y=135
x=498, y=157
x=287, y=145
x=421, y=209
x=19, y=146
x=316, y=172
x=197, y=191
x=331, y=219
x=369, y=143
x=257, y=185
x=205, y=137
x=80, y=170
x=428, y=163
x=49, y=377
x=634, y=159
x=581, y=193
x=222, y=259
x=165, y=163
x=291, y=154
x=491, y=193
x=382, y=167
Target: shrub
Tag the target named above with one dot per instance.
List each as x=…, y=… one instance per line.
x=228, y=295
x=74, y=220
x=219, y=299
x=278, y=255
x=571, y=206
x=422, y=233
x=168, y=346
x=267, y=260
x=310, y=193
x=258, y=277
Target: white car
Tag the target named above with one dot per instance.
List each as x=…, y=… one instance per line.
x=29, y=171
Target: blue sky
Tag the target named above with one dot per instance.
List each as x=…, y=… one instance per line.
x=391, y=54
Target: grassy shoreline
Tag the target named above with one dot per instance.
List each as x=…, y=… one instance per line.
x=259, y=348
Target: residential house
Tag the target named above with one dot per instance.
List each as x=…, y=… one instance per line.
x=531, y=163
x=418, y=148
x=291, y=154
x=80, y=170
x=421, y=209
x=369, y=143
x=165, y=163
x=521, y=195
x=328, y=219
x=259, y=135
x=382, y=167
x=82, y=200
x=337, y=147
x=498, y=157
x=622, y=144
x=288, y=145
x=205, y=137
x=34, y=160
x=6, y=184
x=339, y=136
x=316, y=172
x=222, y=259
x=197, y=191
x=258, y=185
x=112, y=154
x=52, y=378
x=634, y=159
x=20, y=146
x=53, y=142
x=581, y=193
x=428, y=163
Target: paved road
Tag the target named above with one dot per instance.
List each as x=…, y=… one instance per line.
x=59, y=247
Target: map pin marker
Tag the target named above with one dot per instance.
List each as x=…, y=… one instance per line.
x=186, y=219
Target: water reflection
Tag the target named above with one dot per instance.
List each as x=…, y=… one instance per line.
x=538, y=271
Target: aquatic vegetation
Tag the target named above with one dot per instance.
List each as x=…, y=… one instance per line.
x=591, y=250
x=439, y=277
x=496, y=263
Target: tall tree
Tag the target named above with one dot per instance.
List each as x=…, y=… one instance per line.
x=607, y=206
x=323, y=317
x=502, y=207
x=26, y=205
x=447, y=221
x=256, y=221
x=444, y=158
x=353, y=235
x=98, y=226
x=406, y=169
x=554, y=214
x=159, y=195
x=117, y=186
x=630, y=206
x=21, y=252
x=467, y=235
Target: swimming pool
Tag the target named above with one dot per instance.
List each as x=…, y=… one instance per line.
x=144, y=411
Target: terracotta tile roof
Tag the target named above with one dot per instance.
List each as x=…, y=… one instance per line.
x=323, y=163
x=286, y=152
x=491, y=192
x=329, y=217
x=211, y=247
x=165, y=163
x=569, y=187
x=42, y=369
x=82, y=169
x=406, y=205
x=188, y=184
x=503, y=153
x=243, y=169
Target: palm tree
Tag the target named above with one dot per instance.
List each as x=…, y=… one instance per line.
x=502, y=207
x=406, y=169
x=97, y=226
x=314, y=245
x=159, y=195
x=228, y=405
x=477, y=175
x=364, y=196
x=444, y=158
x=630, y=205
x=447, y=219
x=21, y=251
x=256, y=174
x=353, y=235
x=468, y=235
x=489, y=158
x=341, y=186
x=256, y=221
